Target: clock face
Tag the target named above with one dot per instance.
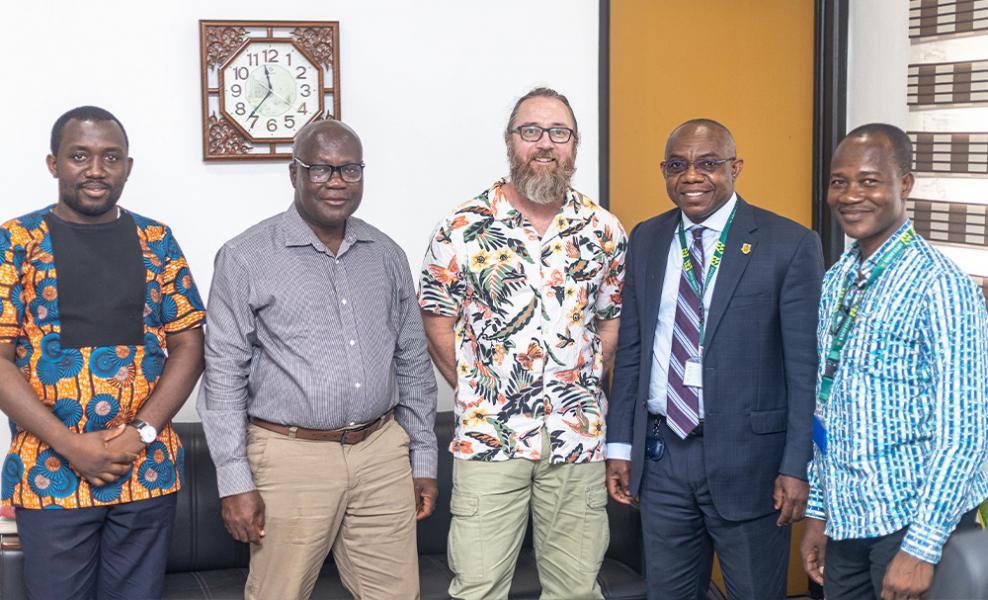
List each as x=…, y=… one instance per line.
x=270, y=89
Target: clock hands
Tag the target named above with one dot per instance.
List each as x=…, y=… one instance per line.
x=266, y=96
x=270, y=88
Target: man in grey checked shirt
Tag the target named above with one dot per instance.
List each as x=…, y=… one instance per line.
x=318, y=398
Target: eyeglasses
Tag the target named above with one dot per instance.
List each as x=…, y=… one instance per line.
x=533, y=133
x=678, y=166
x=350, y=173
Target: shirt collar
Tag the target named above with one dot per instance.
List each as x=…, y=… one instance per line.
x=298, y=233
x=885, y=248
x=717, y=221
x=574, y=203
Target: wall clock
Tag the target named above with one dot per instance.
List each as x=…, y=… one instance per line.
x=262, y=81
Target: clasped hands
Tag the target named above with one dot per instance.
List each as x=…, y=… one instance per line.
x=102, y=457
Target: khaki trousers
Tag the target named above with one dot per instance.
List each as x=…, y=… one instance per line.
x=490, y=507
x=356, y=500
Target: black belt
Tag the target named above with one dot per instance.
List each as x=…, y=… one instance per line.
x=697, y=431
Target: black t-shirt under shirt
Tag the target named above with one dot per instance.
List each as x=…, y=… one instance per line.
x=101, y=282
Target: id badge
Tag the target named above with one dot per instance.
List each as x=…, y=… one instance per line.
x=693, y=376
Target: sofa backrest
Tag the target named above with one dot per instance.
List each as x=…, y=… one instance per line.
x=200, y=542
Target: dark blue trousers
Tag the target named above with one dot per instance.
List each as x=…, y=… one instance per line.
x=107, y=552
x=681, y=530
x=855, y=569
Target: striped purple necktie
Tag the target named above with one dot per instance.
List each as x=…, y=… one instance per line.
x=683, y=402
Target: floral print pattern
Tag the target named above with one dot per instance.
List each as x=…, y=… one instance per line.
x=527, y=351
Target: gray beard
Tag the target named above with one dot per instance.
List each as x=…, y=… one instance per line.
x=541, y=187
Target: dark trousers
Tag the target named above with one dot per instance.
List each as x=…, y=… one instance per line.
x=682, y=529
x=854, y=569
x=105, y=552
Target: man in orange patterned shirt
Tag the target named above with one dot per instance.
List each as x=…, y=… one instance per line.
x=100, y=345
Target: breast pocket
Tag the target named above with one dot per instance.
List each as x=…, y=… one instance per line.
x=889, y=353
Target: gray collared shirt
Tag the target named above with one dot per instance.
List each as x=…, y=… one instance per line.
x=303, y=337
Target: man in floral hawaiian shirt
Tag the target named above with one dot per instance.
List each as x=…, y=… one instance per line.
x=100, y=345
x=520, y=294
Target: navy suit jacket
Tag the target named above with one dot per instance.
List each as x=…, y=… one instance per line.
x=759, y=363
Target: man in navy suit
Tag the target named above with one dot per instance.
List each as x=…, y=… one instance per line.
x=710, y=420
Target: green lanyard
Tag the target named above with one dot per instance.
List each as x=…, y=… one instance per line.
x=843, y=319
x=690, y=271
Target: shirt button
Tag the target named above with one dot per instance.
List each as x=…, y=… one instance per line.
x=343, y=301
x=356, y=385
x=352, y=342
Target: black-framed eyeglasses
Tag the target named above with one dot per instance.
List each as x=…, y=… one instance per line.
x=533, y=133
x=350, y=173
x=678, y=166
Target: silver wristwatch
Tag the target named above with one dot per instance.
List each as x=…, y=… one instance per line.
x=147, y=432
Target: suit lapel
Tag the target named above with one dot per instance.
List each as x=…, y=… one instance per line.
x=655, y=272
x=732, y=266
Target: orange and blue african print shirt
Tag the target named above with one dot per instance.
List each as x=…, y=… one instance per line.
x=88, y=388
x=528, y=356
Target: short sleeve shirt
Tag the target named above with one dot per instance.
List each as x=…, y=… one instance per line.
x=528, y=356
x=88, y=388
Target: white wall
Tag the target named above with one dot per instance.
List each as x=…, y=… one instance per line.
x=428, y=85
x=878, y=53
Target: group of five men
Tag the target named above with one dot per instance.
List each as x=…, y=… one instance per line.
x=742, y=399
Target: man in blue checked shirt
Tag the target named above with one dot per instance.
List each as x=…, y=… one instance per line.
x=901, y=416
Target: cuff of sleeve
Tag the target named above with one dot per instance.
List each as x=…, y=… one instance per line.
x=424, y=462
x=618, y=451
x=234, y=478
x=437, y=309
x=814, y=505
x=794, y=468
x=925, y=542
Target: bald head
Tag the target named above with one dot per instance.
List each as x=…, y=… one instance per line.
x=326, y=133
x=708, y=128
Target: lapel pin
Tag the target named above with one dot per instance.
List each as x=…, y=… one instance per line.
x=745, y=248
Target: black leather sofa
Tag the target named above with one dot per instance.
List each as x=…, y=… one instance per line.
x=205, y=562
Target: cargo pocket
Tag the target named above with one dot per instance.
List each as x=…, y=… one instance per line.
x=466, y=542
x=596, y=534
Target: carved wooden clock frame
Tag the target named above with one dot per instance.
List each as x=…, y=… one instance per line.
x=220, y=42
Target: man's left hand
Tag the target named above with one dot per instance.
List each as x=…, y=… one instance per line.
x=790, y=499
x=907, y=578
x=426, y=494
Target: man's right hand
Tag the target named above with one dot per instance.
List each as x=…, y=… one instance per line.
x=619, y=481
x=89, y=456
x=243, y=516
x=814, y=548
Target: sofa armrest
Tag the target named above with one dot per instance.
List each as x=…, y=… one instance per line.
x=11, y=568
